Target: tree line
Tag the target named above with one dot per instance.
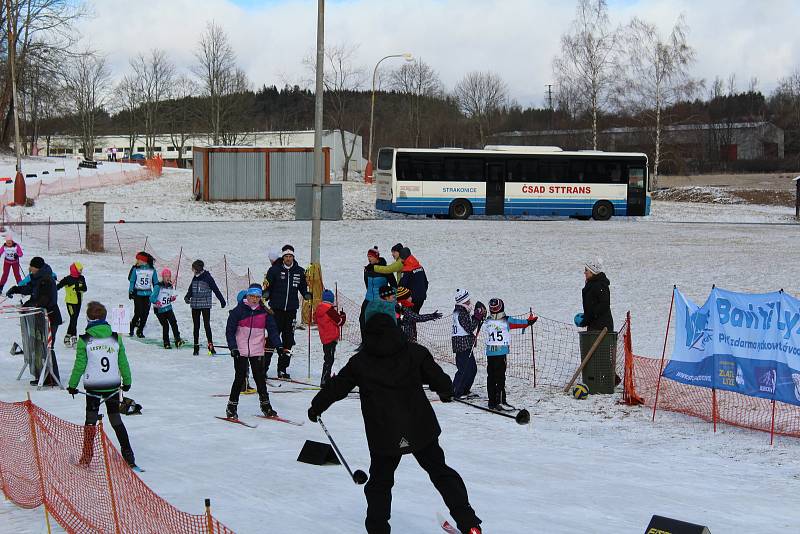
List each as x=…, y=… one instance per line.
x=603, y=76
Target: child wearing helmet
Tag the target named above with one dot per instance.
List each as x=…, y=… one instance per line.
x=329, y=324
x=497, y=334
x=163, y=296
x=75, y=286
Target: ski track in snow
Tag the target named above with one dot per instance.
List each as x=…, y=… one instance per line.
x=581, y=465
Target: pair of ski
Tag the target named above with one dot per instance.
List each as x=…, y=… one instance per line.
x=273, y=418
x=78, y=463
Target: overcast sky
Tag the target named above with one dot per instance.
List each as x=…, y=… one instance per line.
x=515, y=38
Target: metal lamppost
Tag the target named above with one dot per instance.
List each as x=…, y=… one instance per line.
x=408, y=57
x=319, y=162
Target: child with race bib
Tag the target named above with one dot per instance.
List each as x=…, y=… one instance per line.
x=141, y=281
x=12, y=252
x=75, y=287
x=497, y=332
x=100, y=360
x=162, y=298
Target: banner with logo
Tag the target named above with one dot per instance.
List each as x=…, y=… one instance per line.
x=739, y=342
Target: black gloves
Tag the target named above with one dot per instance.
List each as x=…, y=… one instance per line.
x=437, y=315
x=446, y=397
x=125, y=387
x=72, y=391
x=222, y=303
x=313, y=415
x=234, y=353
x=130, y=295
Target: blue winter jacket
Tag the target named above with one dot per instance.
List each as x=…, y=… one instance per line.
x=285, y=286
x=198, y=296
x=503, y=350
x=374, y=281
x=134, y=273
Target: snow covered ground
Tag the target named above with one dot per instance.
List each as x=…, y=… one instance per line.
x=580, y=466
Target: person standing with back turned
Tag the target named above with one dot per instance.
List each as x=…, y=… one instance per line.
x=198, y=296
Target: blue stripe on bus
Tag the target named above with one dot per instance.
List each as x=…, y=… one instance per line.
x=512, y=206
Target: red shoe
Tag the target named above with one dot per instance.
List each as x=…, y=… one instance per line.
x=475, y=530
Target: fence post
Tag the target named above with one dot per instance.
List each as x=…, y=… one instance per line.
x=119, y=244
x=209, y=519
x=48, y=232
x=533, y=351
x=108, y=476
x=225, y=263
x=664, y=352
x=772, y=426
x=714, y=407
x=80, y=245
x=38, y=460
x=248, y=277
x=144, y=249
x=178, y=270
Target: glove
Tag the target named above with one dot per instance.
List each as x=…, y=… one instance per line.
x=308, y=296
x=10, y=293
x=480, y=311
x=313, y=415
x=173, y=298
x=579, y=319
x=125, y=387
x=187, y=300
x=235, y=353
x=437, y=315
x=72, y=391
x=222, y=303
x=343, y=316
x=446, y=397
x=532, y=319
x=130, y=295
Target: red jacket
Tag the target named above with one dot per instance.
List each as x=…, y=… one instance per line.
x=328, y=322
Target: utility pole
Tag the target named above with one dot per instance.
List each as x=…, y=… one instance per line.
x=319, y=162
x=12, y=58
x=550, y=103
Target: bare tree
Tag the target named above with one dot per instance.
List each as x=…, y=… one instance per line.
x=127, y=100
x=179, y=116
x=221, y=83
x=343, y=110
x=656, y=74
x=586, y=63
x=85, y=85
x=153, y=75
x=480, y=96
x=419, y=81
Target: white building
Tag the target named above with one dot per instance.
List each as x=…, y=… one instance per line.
x=64, y=145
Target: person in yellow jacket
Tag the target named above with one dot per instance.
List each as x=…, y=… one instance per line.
x=396, y=267
x=75, y=287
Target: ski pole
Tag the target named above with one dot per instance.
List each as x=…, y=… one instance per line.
x=359, y=477
x=523, y=417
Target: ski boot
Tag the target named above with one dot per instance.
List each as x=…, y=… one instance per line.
x=230, y=411
x=130, y=333
x=196, y=350
x=68, y=340
x=167, y=345
x=211, y=350
x=267, y=410
x=179, y=343
x=140, y=334
x=504, y=407
x=74, y=341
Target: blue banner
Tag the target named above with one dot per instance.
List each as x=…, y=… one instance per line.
x=739, y=342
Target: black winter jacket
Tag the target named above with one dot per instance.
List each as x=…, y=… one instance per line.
x=390, y=373
x=44, y=294
x=597, y=304
x=284, y=286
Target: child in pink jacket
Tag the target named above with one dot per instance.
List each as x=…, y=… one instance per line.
x=12, y=252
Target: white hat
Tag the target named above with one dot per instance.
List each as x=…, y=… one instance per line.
x=462, y=296
x=273, y=254
x=287, y=249
x=595, y=266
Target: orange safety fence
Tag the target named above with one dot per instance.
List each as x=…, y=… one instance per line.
x=718, y=406
x=81, y=479
x=88, y=179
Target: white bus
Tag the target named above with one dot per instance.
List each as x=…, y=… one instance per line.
x=512, y=180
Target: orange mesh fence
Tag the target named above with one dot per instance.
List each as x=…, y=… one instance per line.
x=721, y=406
x=81, y=479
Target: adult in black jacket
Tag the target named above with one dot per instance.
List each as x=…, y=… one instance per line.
x=398, y=418
x=43, y=294
x=596, y=298
x=286, y=282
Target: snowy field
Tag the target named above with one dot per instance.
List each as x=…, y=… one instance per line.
x=589, y=466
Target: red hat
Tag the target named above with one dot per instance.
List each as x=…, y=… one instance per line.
x=373, y=252
x=143, y=256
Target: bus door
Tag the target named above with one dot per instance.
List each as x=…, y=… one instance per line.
x=637, y=189
x=495, y=188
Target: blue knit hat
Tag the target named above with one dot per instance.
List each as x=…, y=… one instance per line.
x=254, y=289
x=241, y=295
x=328, y=296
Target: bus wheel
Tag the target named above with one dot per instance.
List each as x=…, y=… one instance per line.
x=460, y=209
x=602, y=211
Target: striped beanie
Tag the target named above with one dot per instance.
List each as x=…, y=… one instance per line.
x=403, y=293
x=462, y=296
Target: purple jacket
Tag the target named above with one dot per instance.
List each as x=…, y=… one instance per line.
x=246, y=327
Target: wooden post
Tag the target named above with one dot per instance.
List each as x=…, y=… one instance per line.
x=714, y=407
x=336, y=289
x=48, y=232
x=585, y=361
x=772, y=426
x=108, y=476
x=533, y=350
x=309, y=346
x=121, y=255
x=797, y=198
x=663, y=351
x=209, y=518
x=38, y=459
x=145, y=243
x=80, y=240
x=225, y=263
x=178, y=269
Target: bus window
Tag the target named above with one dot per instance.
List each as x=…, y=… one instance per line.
x=636, y=177
x=385, y=157
x=578, y=171
x=403, y=170
x=426, y=169
x=521, y=170
x=463, y=169
x=553, y=171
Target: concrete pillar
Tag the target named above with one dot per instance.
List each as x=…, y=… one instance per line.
x=95, y=222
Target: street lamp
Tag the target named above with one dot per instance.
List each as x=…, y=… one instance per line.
x=408, y=57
